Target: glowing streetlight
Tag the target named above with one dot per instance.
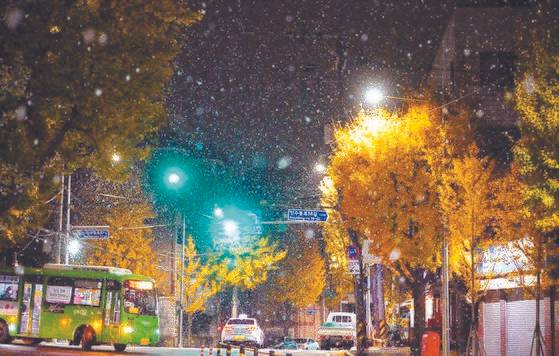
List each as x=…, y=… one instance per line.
x=74, y=247
x=218, y=213
x=173, y=178
x=116, y=157
x=231, y=228
x=373, y=96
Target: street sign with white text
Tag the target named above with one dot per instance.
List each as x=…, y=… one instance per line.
x=353, y=266
x=307, y=215
x=91, y=234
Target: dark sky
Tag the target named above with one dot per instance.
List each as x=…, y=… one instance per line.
x=259, y=79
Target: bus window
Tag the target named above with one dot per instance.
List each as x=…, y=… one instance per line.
x=87, y=292
x=140, y=298
x=59, y=293
x=8, y=288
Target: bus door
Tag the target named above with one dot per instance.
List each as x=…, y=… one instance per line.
x=31, y=303
x=111, y=317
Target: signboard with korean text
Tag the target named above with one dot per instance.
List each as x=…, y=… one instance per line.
x=307, y=215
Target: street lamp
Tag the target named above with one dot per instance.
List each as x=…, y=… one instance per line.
x=116, y=157
x=218, y=213
x=74, y=247
x=173, y=178
x=231, y=229
x=373, y=96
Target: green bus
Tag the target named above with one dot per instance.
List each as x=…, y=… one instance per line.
x=86, y=305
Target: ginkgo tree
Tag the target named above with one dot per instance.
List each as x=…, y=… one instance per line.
x=202, y=278
x=478, y=205
x=80, y=81
x=537, y=157
x=381, y=186
x=383, y=183
x=296, y=283
x=128, y=247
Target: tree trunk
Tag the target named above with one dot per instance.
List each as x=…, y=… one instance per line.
x=418, y=294
x=361, y=328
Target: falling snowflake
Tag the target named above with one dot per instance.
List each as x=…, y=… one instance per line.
x=479, y=113
x=309, y=234
x=103, y=39
x=88, y=35
x=284, y=162
x=98, y=92
x=21, y=113
x=13, y=18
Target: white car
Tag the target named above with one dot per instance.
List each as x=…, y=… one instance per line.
x=242, y=330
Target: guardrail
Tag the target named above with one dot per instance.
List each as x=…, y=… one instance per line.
x=242, y=350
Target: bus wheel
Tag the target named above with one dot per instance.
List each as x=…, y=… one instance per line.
x=4, y=333
x=119, y=347
x=87, y=338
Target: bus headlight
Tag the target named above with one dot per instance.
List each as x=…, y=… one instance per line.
x=127, y=329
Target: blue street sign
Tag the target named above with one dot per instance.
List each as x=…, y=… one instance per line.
x=91, y=234
x=306, y=215
x=352, y=253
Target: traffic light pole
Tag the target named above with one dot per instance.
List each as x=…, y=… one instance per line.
x=181, y=292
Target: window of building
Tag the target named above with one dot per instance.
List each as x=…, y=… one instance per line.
x=496, y=69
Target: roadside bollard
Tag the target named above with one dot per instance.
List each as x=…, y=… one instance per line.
x=228, y=351
x=210, y=351
x=242, y=350
x=218, y=350
x=201, y=350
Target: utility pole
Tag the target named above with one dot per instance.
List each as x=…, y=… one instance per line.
x=60, y=221
x=68, y=226
x=181, y=295
x=444, y=301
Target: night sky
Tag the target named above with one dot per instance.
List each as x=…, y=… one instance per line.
x=259, y=79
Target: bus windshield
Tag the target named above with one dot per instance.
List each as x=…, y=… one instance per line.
x=140, y=297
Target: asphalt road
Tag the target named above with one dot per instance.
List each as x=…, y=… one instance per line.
x=63, y=350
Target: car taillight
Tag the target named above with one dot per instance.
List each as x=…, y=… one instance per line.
x=348, y=337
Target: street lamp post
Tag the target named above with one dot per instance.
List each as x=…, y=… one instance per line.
x=181, y=295
x=68, y=226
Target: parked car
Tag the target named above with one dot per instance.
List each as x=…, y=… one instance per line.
x=337, y=331
x=286, y=344
x=307, y=344
x=242, y=330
